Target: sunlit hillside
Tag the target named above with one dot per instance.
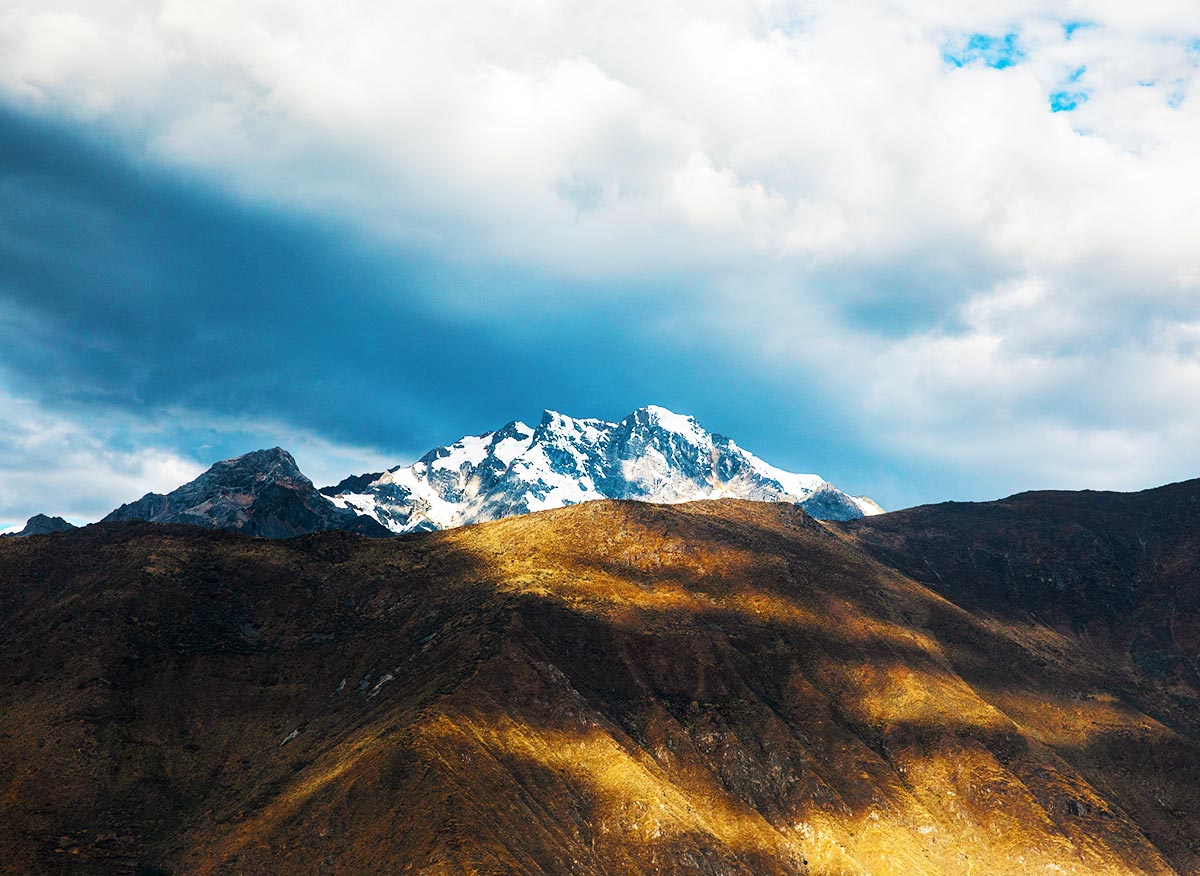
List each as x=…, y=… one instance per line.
x=615, y=688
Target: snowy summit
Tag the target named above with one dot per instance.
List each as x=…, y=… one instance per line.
x=652, y=455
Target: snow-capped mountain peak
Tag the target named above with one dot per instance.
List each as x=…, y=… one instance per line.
x=653, y=455
x=669, y=421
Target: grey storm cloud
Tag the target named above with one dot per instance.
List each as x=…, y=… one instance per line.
x=173, y=314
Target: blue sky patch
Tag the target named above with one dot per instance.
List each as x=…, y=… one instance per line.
x=1068, y=98
x=1069, y=27
x=997, y=52
x=1065, y=101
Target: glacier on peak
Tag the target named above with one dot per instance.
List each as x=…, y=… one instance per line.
x=652, y=455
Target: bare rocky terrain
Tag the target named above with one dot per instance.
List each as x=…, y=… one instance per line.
x=720, y=687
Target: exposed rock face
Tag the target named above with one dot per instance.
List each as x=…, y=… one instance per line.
x=653, y=455
x=607, y=690
x=261, y=493
x=40, y=524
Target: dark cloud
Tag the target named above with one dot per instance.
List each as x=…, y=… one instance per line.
x=129, y=291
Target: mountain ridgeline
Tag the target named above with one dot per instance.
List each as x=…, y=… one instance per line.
x=652, y=455
x=40, y=524
x=261, y=493
x=616, y=688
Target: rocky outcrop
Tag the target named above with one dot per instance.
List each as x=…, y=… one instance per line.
x=40, y=524
x=261, y=493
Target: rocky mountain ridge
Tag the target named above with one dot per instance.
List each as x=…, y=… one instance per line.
x=40, y=524
x=262, y=493
x=653, y=455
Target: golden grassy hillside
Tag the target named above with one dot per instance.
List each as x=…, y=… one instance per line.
x=614, y=688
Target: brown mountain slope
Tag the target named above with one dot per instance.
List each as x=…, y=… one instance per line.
x=614, y=688
x=1117, y=575
x=1120, y=570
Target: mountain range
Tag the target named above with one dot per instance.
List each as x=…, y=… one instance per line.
x=615, y=688
x=652, y=455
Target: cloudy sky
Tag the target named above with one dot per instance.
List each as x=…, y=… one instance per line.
x=926, y=254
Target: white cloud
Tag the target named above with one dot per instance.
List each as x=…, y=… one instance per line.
x=52, y=465
x=771, y=147
x=84, y=465
x=690, y=124
x=1029, y=389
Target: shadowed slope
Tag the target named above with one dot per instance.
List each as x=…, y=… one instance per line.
x=722, y=687
x=1100, y=586
x=1118, y=570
